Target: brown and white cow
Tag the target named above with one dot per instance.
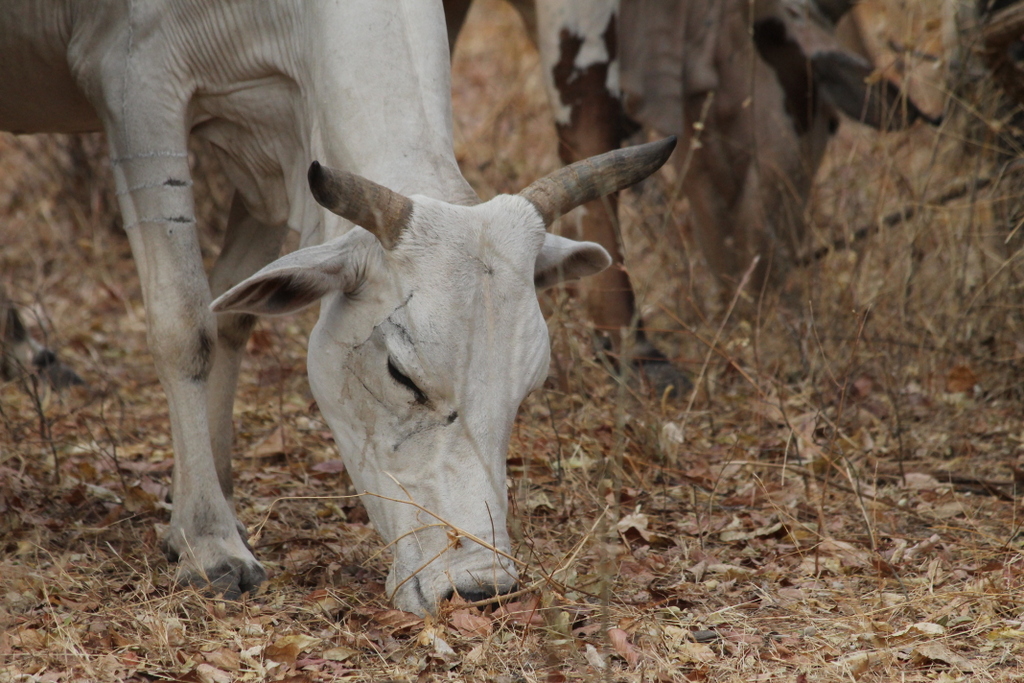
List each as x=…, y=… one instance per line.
x=579, y=54
x=754, y=86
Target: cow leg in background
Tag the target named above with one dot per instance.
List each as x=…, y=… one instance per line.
x=578, y=47
x=145, y=127
x=454, y=17
x=588, y=119
x=248, y=246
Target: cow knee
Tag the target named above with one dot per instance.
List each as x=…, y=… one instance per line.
x=181, y=349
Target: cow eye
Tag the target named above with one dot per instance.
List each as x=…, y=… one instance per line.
x=404, y=380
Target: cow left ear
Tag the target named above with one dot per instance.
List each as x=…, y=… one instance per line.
x=562, y=259
x=845, y=79
x=847, y=82
x=303, y=277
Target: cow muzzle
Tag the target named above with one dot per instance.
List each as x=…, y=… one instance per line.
x=420, y=585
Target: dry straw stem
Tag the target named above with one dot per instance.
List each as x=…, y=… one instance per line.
x=903, y=564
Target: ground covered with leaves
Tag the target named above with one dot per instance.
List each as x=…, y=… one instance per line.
x=836, y=500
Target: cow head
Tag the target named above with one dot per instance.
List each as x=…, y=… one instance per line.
x=796, y=38
x=769, y=107
x=429, y=337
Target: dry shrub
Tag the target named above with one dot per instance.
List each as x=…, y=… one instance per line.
x=836, y=501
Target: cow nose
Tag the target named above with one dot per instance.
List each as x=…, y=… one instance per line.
x=480, y=592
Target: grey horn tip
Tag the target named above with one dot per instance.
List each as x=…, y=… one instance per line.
x=669, y=145
x=315, y=177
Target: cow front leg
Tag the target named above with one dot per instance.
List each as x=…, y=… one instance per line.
x=579, y=52
x=455, y=12
x=608, y=296
x=578, y=48
x=248, y=246
x=154, y=191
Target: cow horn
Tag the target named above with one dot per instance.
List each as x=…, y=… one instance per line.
x=383, y=212
x=562, y=191
x=835, y=9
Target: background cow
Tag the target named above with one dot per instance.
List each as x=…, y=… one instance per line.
x=578, y=46
x=754, y=113
x=21, y=354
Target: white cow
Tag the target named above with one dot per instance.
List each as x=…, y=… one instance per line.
x=429, y=334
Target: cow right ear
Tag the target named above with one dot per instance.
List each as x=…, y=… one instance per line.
x=561, y=260
x=302, y=277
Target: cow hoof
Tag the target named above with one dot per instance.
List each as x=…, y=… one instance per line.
x=228, y=580
x=219, y=566
x=480, y=593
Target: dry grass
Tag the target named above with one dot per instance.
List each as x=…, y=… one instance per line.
x=837, y=503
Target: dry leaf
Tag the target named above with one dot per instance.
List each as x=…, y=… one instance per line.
x=730, y=571
x=926, y=653
x=954, y=508
x=862, y=387
x=733, y=535
x=689, y=652
x=252, y=656
x=339, y=653
x=594, y=658
x=396, y=619
x=429, y=637
x=634, y=527
x=332, y=466
x=961, y=380
x=223, y=659
x=848, y=554
x=636, y=521
x=859, y=663
x=270, y=446
x=286, y=649
x=442, y=649
x=476, y=656
x=538, y=499
x=471, y=623
x=925, y=546
x=620, y=641
x=325, y=601
x=1005, y=634
x=698, y=570
x=919, y=481
x=922, y=629
x=211, y=674
x=767, y=407
x=29, y=639
x=671, y=438
x=523, y=612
